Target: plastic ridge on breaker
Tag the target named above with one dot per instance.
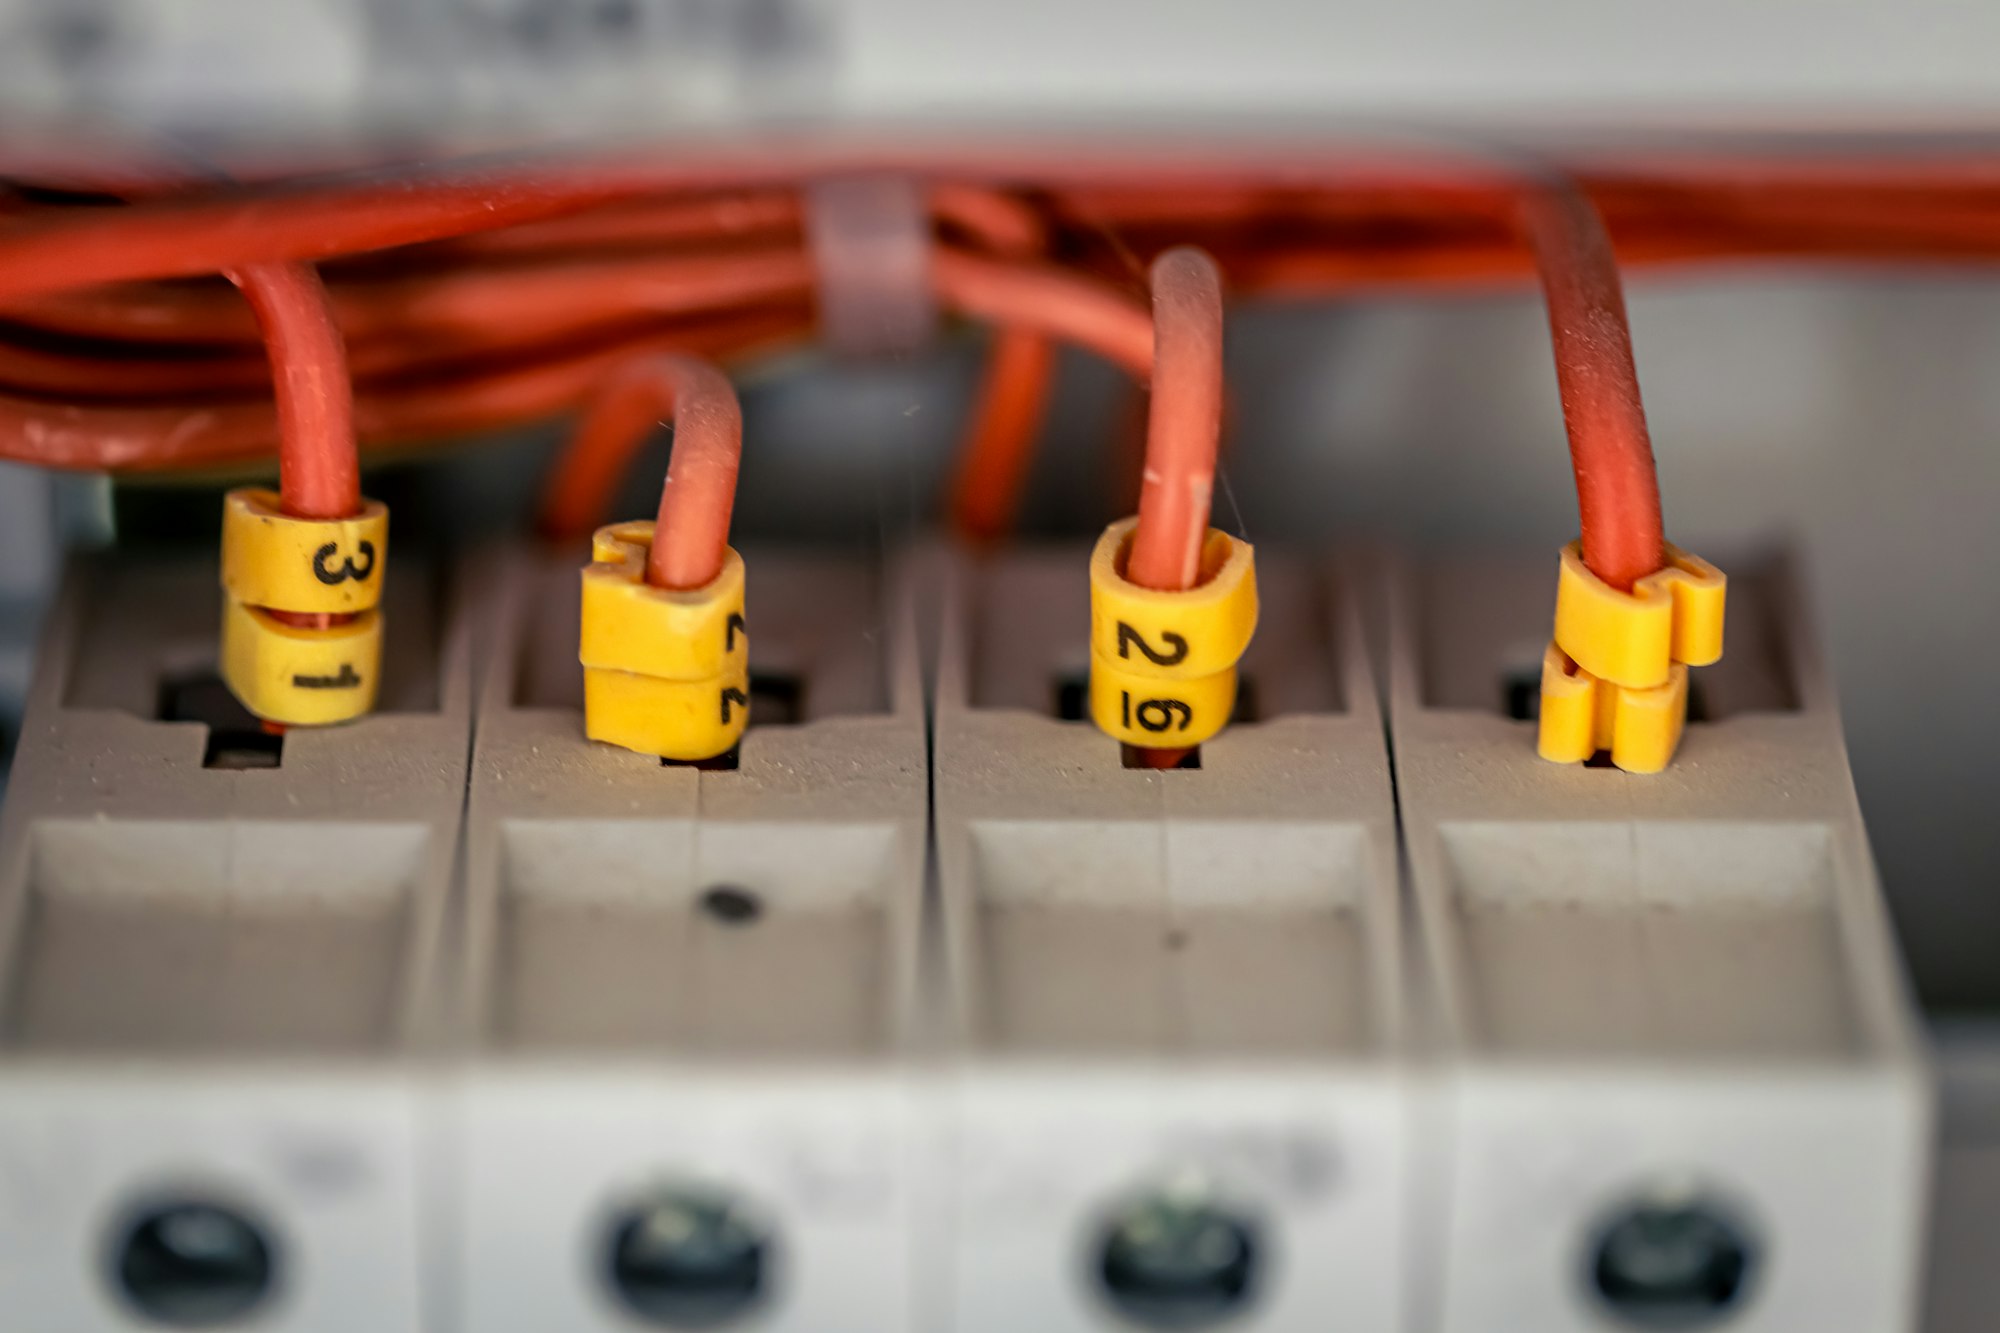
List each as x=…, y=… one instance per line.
x=276, y=565
x=665, y=671
x=1615, y=676
x=1163, y=664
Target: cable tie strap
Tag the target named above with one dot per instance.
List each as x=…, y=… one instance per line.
x=274, y=562
x=1163, y=664
x=1615, y=678
x=871, y=245
x=665, y=671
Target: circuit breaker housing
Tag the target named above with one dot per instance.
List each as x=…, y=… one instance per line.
x=220, y=952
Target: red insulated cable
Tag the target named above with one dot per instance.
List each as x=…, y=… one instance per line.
x=1617, y=484
x=197, y=234
x=1184, y=425
x=1183, y=429
x=993, y=462
x=319, y=475
x=691, y=535
x=556, y=295
x=140, y=438
x=1013, y=396
x=1072, y=307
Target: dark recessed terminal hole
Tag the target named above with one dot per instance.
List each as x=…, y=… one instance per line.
x=1672, y=1264
x=1073, y=696
x=1521, y=692
x=236, y=739
x=1132, y=756
x=193, y=1264
x=731, y=905
x=688, y=1259
x=1178, y=1260
x=776, y=700
x=722, y=763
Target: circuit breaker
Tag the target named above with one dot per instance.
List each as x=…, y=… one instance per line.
x=1177, y=1091
x=222, y=969
x=1682, y=1081
x=944, y=1014
x=684, y=1096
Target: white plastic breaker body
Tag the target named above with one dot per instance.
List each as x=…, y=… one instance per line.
x=1174, y=989
x=1674, y=1006
x=219, y=963
x=702, y=982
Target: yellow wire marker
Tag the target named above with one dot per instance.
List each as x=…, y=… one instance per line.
x=1163, y=664
x=665, y=671
x=272, y=561
x=1615, y=677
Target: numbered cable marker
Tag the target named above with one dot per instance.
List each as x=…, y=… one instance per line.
x=666, y=671
x=280, y=575
x=1615, y=677
x=1163, y=664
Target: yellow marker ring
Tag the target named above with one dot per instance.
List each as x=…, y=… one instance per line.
x=1582, y=715
x=1173, y=635
x=665, y=671
x=301, y=677
x=308, y=565
x=1163, y=664
x=1159, y=714
x=1632, y=639
x=675, y=719
x=629, y=625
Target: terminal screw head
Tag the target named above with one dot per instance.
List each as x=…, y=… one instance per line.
x=1175, y=1258
x=1672, y=1261
x=194, y=1264
x=691, y=1259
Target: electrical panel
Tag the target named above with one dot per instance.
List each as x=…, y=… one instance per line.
x=1214, y=1046
x=722, y=858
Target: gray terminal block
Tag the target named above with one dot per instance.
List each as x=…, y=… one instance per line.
x=217, y=953
x=1685, y=1086
x=689, y=992
x=1177, y=1096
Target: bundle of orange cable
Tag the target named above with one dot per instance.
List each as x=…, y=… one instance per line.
x=479, y=297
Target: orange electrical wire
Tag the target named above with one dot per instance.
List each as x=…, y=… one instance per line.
x=131, y=437
x=1013, y=395
x=1183, y=431
x=643, y=224
x=691, y=535
x=555, y=296
x=440, y=343
x=992, y=469
x=1617, y=483
x=1185, y=424
x=319, y=475
x=1072, y=307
